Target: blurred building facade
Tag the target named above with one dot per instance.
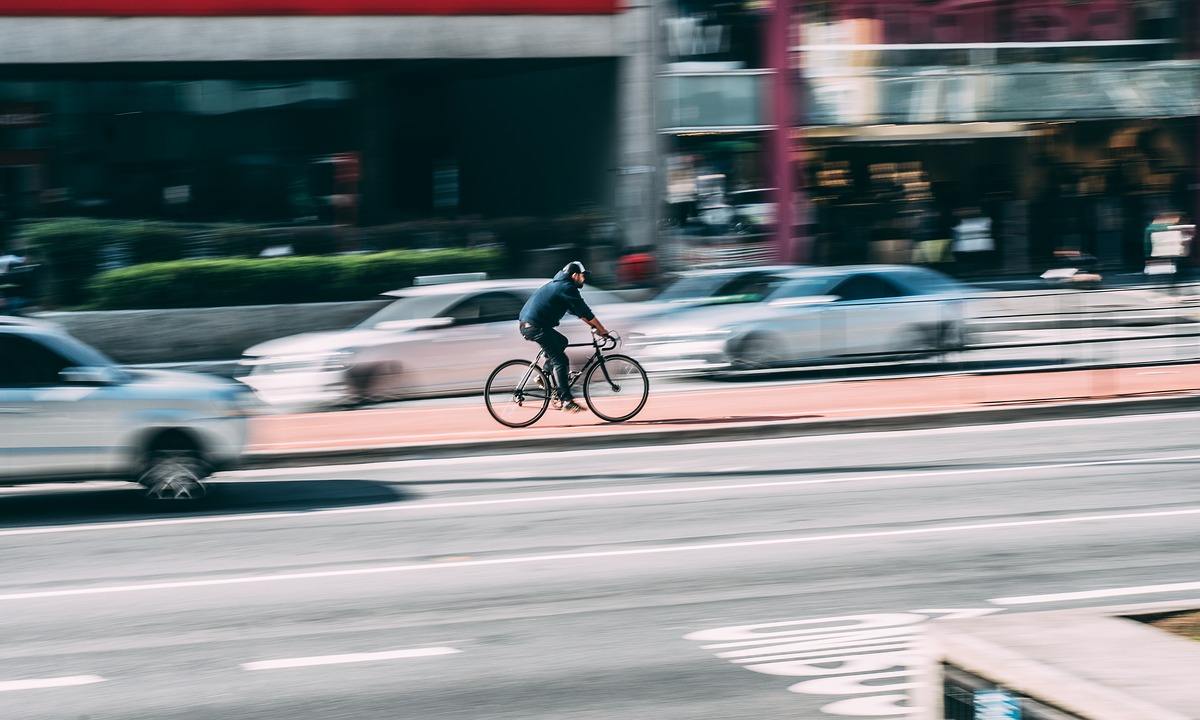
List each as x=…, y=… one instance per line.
x=682, y=123
x=327, y=111
x=1068, y=124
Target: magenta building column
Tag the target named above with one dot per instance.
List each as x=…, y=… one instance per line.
x=779, y=151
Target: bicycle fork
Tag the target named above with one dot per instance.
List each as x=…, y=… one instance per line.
x=608, y=378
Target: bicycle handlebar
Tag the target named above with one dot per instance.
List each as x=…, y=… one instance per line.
x=607, y=342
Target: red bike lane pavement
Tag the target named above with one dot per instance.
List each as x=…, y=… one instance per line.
x=730, y=406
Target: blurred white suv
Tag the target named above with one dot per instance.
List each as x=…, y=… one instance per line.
x=69, y=413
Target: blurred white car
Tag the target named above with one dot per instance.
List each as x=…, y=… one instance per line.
x=845, y=314
x=69, y=413
x=753, y=210
x=439, y=339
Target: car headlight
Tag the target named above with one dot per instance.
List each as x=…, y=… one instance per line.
x=310, y=362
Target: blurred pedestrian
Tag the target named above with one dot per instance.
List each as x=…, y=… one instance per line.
x=973, y=242
x=1165, y=246
x=12, y=284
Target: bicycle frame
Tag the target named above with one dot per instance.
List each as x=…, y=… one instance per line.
x=597, y=358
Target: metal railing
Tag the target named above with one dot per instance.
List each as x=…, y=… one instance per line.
x=1066, y=330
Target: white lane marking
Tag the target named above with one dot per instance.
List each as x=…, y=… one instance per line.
x=56, y=682
x=561, y=557
x=1093, y=594
x=691, y=447
x=413, y=506
x=843, y=655
x=315, y=660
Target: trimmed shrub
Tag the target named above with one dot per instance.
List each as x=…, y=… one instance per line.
x=72, y=248
x=235, y=281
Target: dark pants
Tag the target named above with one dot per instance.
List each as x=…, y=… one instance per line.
x=555, y=345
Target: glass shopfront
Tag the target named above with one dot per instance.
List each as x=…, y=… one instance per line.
x=308, y=143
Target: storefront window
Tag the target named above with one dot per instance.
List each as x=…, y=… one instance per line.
x=1033, y=30
x=714, y=31
x=189, y=150
x=714, y=101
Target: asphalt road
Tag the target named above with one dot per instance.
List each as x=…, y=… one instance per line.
x=597, y=585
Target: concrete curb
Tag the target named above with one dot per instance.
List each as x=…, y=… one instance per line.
x=739, y=431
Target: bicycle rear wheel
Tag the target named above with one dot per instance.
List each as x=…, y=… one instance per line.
x=619, y=394
x=517, y=393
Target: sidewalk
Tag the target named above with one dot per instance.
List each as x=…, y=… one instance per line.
x=738, y=411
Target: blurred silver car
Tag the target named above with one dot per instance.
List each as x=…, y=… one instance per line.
x=845, y=314
x=439, y=339
x=69, y=413
x=723, y=285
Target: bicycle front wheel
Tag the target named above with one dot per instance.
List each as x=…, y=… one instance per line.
x=517, y=393
x=618, y=389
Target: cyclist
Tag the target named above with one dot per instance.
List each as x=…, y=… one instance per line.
x=542, y=313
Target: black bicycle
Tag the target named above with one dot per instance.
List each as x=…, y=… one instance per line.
x=615, y=386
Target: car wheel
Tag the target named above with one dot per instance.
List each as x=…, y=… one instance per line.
x=174, y=475
x=365, y=387
x=952, y=338
x=917, y=342
x=758, y=352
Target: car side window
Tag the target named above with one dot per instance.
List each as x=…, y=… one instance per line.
x=25, y=362
x=752, y=287
x=867, y=287
x=465, y=312
x=486, y=308
x=499, y=307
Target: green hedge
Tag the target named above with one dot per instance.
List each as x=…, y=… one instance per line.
x=72, y=249
x=239, y=281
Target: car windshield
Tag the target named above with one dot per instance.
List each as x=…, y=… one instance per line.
x=803, y=287
x=692, y=287
x=411, y=308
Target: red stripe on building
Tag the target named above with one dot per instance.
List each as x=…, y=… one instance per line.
x=151, y=8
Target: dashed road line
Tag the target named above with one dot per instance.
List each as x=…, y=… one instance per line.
x=592, y=555
x=1096, y=594
x=44, y=683
x=316, y=660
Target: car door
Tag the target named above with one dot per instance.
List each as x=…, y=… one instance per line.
x=18, y=456
x=867, y=315
x=47, y=427
x=483, y=335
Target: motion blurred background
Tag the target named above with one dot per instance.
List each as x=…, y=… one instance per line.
x=673, y=134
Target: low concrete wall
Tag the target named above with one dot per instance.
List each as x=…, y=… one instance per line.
x=1093, y=664
x=207, y=334
x=193, y=334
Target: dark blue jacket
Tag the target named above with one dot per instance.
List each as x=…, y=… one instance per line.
x=546, y=307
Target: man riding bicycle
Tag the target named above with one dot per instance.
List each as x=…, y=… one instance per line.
x=545, y=310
